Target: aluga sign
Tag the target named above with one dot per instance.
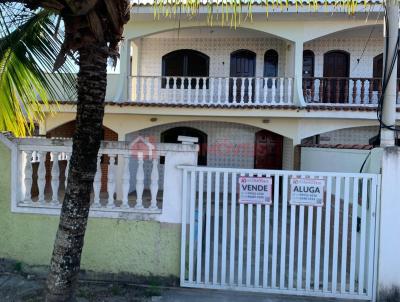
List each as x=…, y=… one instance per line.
x=307, y=191
x=255, y=190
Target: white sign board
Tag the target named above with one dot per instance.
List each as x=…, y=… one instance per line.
x=255, y=190
x=307, y=191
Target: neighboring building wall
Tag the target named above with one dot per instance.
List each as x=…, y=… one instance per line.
x=332, y=160
x=218, y=49
x=352, y=136
x=141, y=248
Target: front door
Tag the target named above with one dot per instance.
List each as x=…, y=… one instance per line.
x=243, y=65
x=336, y=73
x=268, y=150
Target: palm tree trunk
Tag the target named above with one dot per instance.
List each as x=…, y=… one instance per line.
x=66, y=258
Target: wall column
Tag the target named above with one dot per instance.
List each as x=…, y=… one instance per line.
x=389, y=240
x=294, y=68
x=121, y=92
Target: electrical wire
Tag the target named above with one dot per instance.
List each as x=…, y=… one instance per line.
x=386, y=77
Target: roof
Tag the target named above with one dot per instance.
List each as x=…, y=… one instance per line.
x=339, y=146
x=227, y=106
x=257, y=2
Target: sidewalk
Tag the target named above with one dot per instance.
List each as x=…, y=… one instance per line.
x=16, y=287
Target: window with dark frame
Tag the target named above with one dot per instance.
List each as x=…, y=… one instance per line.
x=185, y=63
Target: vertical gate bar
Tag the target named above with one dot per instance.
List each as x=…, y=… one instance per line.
x=362, y=238
x=192, y=210
x=200, y=228
x=216, y=230
x=275, y=231
x=249, y=243
x=300, y=249
x=240, y=252
x=208, y=227
x=283, y=234
x=309, y=246
x=317, y=248
x=291, y=245
x=317, y=267
x=183, y=239
x=336, y=233
x=372, y=236
x=354, y=214
x=343, y=269
x=257, y=249
x=224, y=227
x=327, y=234
x=266, y=245
x=233, y=234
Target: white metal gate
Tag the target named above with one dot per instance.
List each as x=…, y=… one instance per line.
x=280, y=248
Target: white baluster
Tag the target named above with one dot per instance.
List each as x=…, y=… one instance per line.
x=182, y=88
x=212, y=90
x=204, y=90
x=111, y=181
x=138, y=92
x=55, y=178
x=67, y=158
x=97, y=183
x=219, y=90
x=227, y=91
x=28, y=177
x=126, y=176
x=234, y=92
x=289, y=90
x=281, y=90
x=174, y=79
x=257, y=95
x=265, y=90
x=145, y=91
x=250, y=89
x=154, y=184
x=41, y=180
x=189, y=91
x=316, y=90
x=196, y=99
x=152, y=94
x=139, y=182
x=273, y=94
x=242, y=91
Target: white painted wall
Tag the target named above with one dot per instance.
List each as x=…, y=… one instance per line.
x=332, y=160
x=389, y=239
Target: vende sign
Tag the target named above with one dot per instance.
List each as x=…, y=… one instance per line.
x=255, y=190
x=307, y=191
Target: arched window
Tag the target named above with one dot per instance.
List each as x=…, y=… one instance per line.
x=171, y=136
x=378, y=67
x=271, y=58
x=185, y=63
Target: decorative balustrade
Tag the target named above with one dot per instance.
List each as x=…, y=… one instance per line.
x=212, y=91
x=129, y=178
x=343, y=91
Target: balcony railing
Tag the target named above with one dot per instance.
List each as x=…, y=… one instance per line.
x=212, y=91
x=343, y=91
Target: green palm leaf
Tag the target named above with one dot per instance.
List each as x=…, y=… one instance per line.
x=28, y=48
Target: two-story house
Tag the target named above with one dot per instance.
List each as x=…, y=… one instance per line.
x=250, y=91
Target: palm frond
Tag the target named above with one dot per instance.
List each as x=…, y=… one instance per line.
x=28, y=51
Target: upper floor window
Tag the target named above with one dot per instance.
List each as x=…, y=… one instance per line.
x=185, y=63
x=271, y=65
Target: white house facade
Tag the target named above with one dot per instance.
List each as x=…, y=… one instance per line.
x=196, y=110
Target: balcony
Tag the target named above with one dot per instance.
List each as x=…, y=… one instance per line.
x=212, y=91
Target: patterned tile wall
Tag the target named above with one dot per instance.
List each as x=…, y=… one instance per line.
x=218, y=49
x=355, y=46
